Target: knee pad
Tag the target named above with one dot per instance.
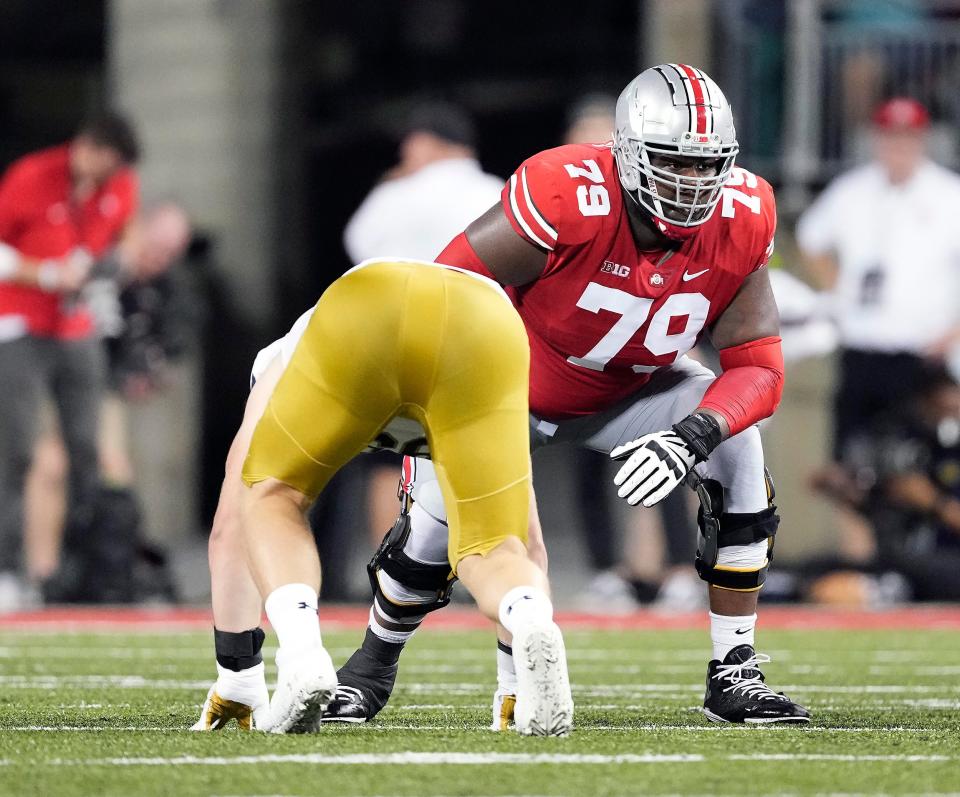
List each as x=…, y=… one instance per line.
x=721, y=530
x=405, y=586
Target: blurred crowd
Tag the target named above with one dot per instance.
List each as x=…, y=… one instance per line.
x=93, y=305
x=96, y=300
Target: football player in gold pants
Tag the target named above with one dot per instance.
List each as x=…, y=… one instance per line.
x=446, y=349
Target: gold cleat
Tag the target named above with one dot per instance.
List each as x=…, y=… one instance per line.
x=503, y=705
x=217, y=713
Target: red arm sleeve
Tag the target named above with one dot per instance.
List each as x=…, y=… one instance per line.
x=750, y=387
x=460, y=254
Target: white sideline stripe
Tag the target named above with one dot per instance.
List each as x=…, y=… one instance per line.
x=711, y=794
x=85, y=728
x=898, y=705
x=836, y=757
x=426, y=653
x=395, y=759
x=711, y=728
x=425, y=668
x=426, y=665
x=673, y=690
x=814, y=729
x=883, y=669
x=482, y=759
x=118, y=681
x=686, y=688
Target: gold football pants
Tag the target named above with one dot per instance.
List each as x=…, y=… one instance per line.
x=423, y=342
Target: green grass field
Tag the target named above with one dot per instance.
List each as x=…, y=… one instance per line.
x=106, y=714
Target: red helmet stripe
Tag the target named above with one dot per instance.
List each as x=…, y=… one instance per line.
x=698, y=95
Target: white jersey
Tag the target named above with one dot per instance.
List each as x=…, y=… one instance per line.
x=418, y=215
x=898, y=251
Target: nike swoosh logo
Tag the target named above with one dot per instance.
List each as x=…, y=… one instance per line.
x=744, y=631
x=687, y=276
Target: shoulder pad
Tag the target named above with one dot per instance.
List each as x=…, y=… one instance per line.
x=749, y=210
x=560, y=196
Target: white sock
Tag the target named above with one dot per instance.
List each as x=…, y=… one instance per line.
x=506, y=671
x=292, y=610
x=244, y=686
x=727, y=632
x=524, y=605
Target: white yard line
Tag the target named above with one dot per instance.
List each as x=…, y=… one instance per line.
x=837, y=757
x=433, y=728
x=484, y=759
x=661, y=690
x=441, y=664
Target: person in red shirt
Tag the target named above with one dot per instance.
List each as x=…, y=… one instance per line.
x=60, y=209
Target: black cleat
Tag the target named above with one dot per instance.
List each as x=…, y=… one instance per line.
x=736, y=692
x=365, y=685
x=348, y=704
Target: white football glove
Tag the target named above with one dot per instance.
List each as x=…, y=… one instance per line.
x=657, y=464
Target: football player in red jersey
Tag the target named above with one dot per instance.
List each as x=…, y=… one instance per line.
x=618, y=257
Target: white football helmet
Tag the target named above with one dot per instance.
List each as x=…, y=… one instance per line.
x=674, y=111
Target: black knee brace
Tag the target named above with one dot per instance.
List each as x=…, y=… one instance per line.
x=415, y=575
x=719, y=529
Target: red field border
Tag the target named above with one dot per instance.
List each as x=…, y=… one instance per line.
x=88, y=618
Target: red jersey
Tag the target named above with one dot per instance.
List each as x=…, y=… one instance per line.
x=39, y=219
x=603, y=315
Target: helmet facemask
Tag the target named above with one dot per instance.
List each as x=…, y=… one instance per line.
x=676, y=200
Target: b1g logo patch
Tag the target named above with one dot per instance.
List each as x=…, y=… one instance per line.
x=609, y=267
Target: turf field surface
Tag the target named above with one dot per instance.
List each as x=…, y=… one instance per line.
x=97, y=703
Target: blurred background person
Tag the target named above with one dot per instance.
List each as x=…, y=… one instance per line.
x=433, y=192
x=883, y=240
x=59, y=209
x=436, y=189
x=901, y=473
x=145, y=312
x=270, y=127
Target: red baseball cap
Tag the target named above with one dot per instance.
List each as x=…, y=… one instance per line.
x=901, y=113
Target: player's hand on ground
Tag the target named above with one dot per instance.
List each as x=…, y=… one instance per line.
x=655, y=464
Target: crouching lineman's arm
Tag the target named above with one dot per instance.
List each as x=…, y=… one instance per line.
x=749, y=390
x=241, y=688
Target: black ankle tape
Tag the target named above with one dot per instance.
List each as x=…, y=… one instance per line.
x=238, y=650
x=503, y=647
x=384, y=652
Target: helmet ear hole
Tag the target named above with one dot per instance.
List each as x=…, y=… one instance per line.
x=628, y=166
x=630, y=179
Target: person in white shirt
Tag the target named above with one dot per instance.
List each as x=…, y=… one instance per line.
x=884, y=241
x=436, y=190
